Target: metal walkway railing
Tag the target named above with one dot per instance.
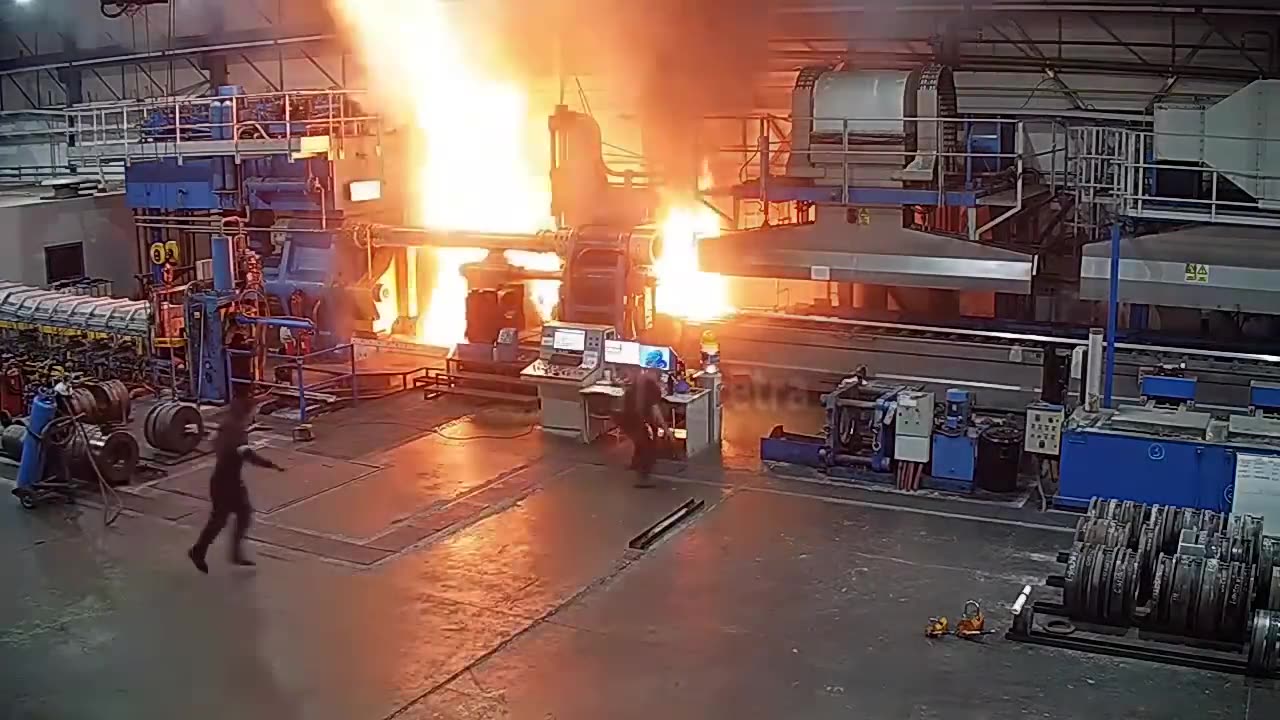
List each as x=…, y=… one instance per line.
x=299, y=121
x=1118, y=170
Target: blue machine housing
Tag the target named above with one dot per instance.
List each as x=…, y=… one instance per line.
x=310, y=267
x=954, y=458
x=1264, y=395
x=195, y=184
x=1168, y=389
x=206, y=338
x=283, y=186
x=1145, y=469
x=859, y=430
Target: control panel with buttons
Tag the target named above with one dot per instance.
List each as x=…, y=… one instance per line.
x=569, y=353
x=1044, y=429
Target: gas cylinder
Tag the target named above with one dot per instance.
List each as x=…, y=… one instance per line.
x=31, y=469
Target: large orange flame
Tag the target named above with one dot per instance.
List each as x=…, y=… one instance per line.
x=480, y=165
x=483, y=161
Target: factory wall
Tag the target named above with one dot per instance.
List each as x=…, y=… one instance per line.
x=101, y=223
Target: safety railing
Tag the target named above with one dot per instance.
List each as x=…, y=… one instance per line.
x=1096, y=169
x=945, y=162
x=1225, y=200
x=300, y=367
x=1122, y=171
x=239, y=125
x=33, y=148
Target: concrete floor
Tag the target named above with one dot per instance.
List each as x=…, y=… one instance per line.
x=414, y=574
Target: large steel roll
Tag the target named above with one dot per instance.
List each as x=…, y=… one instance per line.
x=120, y=402
x=83, y=404
x=175, y=427
x=11, y=440
x=114, y=454
x=101, y=401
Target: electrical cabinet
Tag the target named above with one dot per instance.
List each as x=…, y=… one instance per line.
x=913, y=425
x=1044, y=429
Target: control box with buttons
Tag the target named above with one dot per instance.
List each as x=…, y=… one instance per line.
x=1044, y=429
x=913, y=426
x=569, y=353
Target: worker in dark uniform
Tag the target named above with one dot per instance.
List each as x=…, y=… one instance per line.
x=226, y=487
x=641, y=420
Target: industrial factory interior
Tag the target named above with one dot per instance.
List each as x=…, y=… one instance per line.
x=613, y=359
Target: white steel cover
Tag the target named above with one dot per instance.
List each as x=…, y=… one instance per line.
x=874, y=102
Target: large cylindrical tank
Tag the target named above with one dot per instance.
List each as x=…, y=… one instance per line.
x=875, y=102
x=871, y=102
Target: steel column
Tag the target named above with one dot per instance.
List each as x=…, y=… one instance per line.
x=1113, y=317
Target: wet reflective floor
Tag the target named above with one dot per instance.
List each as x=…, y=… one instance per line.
x=483, y=571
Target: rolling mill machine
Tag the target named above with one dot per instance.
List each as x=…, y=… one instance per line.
x=899, y=207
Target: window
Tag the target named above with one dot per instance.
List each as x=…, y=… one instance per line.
x=63, y=262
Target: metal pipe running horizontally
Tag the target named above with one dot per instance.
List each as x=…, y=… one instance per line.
x=542, y=241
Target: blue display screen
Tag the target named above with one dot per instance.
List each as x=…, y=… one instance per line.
x=656, y=357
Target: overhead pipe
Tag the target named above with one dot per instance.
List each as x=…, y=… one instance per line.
x=541, y=241
x=292, y=323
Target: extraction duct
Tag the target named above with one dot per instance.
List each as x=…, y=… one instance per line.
x=1239, y=137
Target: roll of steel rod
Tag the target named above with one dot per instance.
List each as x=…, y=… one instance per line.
x=114, y=455
x=174, y=427
x=1181, y=571
x=11, y=440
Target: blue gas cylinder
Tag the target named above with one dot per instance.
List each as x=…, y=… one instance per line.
x=31, y=469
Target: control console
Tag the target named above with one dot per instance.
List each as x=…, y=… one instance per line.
x=570, y=353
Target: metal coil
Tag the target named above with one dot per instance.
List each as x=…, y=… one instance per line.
x=11, y=440
x=1183, y=571
x=174, y=427
x=115, y=454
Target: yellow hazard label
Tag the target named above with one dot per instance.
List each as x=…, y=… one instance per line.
x=1197, y=273
x=172, y=252
x=157, y=253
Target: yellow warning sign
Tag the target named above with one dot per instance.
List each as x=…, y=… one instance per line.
x=1197, y=273
x=157, y=253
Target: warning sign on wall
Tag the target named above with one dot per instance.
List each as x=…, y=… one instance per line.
x=1197, y=273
